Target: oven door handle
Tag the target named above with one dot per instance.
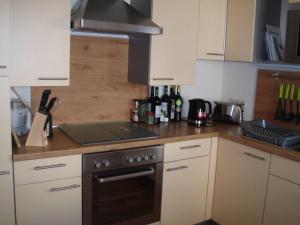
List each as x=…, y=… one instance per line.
x=124, y=177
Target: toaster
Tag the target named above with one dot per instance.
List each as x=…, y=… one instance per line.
x=228, y=112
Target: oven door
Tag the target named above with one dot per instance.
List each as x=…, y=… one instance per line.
x=123, y=197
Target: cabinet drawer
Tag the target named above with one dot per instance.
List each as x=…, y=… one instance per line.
x=285, y=168
x=39, y=170
x=187, y=149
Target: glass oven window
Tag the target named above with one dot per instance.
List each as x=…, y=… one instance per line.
x=122, y=200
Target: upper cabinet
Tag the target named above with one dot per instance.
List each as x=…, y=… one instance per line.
x=227, y=30
x=172, y=57
x=4, y=37
x=39, y=42
x=212, y=29
x=240, y=30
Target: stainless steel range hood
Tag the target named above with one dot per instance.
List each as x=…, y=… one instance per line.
x=111, y=16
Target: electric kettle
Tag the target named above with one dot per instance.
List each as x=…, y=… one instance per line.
x=199, y=112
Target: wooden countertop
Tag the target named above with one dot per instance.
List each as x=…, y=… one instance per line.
x=61, y=144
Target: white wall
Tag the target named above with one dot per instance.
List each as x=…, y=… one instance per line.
x=218, y=80
x=208, y=83
x=239, y=82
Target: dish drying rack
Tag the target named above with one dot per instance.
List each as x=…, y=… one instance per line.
x=271, y=133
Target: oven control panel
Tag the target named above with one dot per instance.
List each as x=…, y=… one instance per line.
x=97, y=162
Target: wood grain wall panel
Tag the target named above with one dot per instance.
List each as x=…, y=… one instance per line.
x=99, y=87
x=267, y=93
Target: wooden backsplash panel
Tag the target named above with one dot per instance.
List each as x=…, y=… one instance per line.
x=267, y=93
x=99, y=89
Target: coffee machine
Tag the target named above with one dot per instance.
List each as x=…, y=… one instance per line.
x=200, y=111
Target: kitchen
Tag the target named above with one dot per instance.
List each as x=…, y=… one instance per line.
x=170, y=173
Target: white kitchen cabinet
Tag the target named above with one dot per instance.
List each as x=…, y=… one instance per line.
x=173, y=54
x=39, y=42
x=240, y=31
x=7, y=207
x=4, y=37
x=48, y=203
x=282, y=203
x=185, y=182
x=283, y=195
x=184, y=191
x=212, y=29
x=52, y=187
x=7, y=212
x=241, y=184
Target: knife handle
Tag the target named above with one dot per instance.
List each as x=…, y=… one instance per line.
x=51, y=104
x=44, y=100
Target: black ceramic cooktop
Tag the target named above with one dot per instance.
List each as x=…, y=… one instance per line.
x=106, y=132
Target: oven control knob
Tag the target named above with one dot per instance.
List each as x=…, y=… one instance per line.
x=138, y=158
x=106, y=163
x=97, y=164
x=146, y=157
x=153, y=156
x=130, y=160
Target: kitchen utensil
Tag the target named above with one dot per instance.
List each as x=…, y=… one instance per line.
x=291, y=115
x=297, y=117
x=56, y=105
x=198, y=112
x=228, y=112
x=48, y=123
x=50, y=104
x=279, y=109
x=44, y=100
x=286, y=97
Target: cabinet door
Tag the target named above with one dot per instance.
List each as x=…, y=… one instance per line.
x=4, y=37
x=40, y=42
x=211, y=32
x=173, y=54
x=48, y=203
x=283, y=203
x=7, y=208
x=240, y=30
x=5, y=132
x=241, y=184
x=184, y=191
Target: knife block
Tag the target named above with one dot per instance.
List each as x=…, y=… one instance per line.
x=37, y=136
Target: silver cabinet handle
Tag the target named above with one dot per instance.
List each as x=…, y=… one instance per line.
x=50, y=166
x=53, y=78
x=55, y=189
x=190, y=147
x=4, y=173
x=216, y=54
x=3, y=67
x=166, y=78
x=126, y=176
x=177, y=168
x=254, y=156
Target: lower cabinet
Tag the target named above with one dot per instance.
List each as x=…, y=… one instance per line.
x=184, y=191
x=283, y=203
x=241, y=184
x=49, y=203
x=7, y=212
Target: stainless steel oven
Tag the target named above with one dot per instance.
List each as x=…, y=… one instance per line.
x=122, y=187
